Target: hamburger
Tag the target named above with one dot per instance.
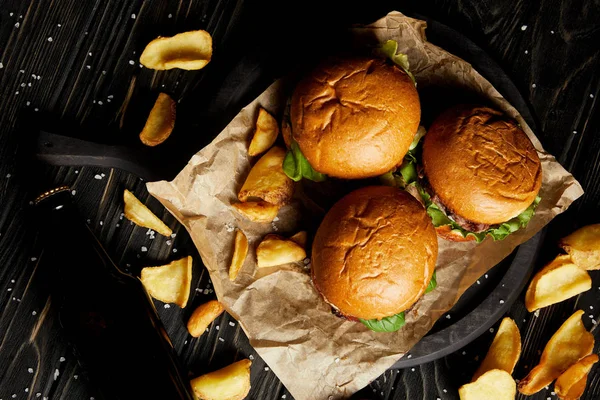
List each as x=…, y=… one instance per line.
x=351, y=118
x=479, y=175
x=374, y=256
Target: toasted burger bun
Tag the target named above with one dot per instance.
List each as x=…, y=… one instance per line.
x=374, y=253
x=355, y=117
x=481, y=164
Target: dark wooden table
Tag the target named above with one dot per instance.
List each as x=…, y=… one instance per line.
x=73, y=63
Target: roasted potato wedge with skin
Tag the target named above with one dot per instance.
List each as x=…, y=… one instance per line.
x=583, y=246
x=229, y=383
x=160, y=122
x=504, y=351
x=265, y=134
x=571, y=384
x=203, y=316
x=240, y=251
x=257, y=211
x=267, y=180
x=187, y=50
x=557, y=281
x=169, y=283
x=570, y=343
x=300, y=238
x=139, y=214
x=495, y=384
x=275, y=250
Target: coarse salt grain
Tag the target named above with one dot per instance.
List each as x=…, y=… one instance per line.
x=30, y=370
x=478, y=282
x=132, y=16
x=523, y=27
x=221, y=339
x=62, y=359
x=409, y=356
x=536, y=313
x=251, y=357
x=97, y=176
x=170, y=16
x=448, y=316
x=534, y=85
x=464, y=353
x=167, y=306
x=337, y=360
x=231, y=323
x=501, y=301
x=266, y=368
x=131, y=62
x=174, y=250
x=144, y=249
x=168, y=242
x=491, y=330
x=17, y=25
x=49, y=39
x=526, y=51
x=412, y=369
x=56, y=373
x=34, y=313
x=217, y=327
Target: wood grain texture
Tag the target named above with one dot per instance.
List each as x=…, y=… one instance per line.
x=73, y=64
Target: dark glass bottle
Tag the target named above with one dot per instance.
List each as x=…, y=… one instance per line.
x=107, y=314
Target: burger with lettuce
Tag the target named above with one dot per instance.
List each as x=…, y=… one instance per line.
x=476, y=171
x=352, y=117
x=374, y=256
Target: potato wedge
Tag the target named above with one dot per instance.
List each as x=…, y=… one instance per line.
x=495, y=384
x=139, y=214
x=169, y=283
x=570, y=343
x=275, y=250
x=203, y=316
x=557, y=281
x=571, y=384
x=267, y=181
x=160, y=122
x=265, y=134
x=229, y=383
x=257, y=211
x=240, y=251
x=504, y=351
x=187, y=50
x=583, y=246
x=300, y=238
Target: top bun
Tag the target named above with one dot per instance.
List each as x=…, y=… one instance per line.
x=481, y=165
x=355, y=117
x=374, y=253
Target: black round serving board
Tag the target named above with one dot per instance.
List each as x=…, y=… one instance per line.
x=479, y=307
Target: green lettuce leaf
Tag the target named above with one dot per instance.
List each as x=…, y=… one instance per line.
x=432, y=284
x=296, y=166
x=389, y=49
x=388, y=324
x=407, y=172
x=499, y=232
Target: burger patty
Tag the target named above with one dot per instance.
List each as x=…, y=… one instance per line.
x=464, y=223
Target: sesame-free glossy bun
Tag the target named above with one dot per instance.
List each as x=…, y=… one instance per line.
x=374, y=253
x=355, y=117
x=481, y=164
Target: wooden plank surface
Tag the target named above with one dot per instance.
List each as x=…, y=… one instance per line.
x=73, y=64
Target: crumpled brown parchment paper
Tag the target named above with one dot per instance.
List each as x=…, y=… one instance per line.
x=315, y=354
